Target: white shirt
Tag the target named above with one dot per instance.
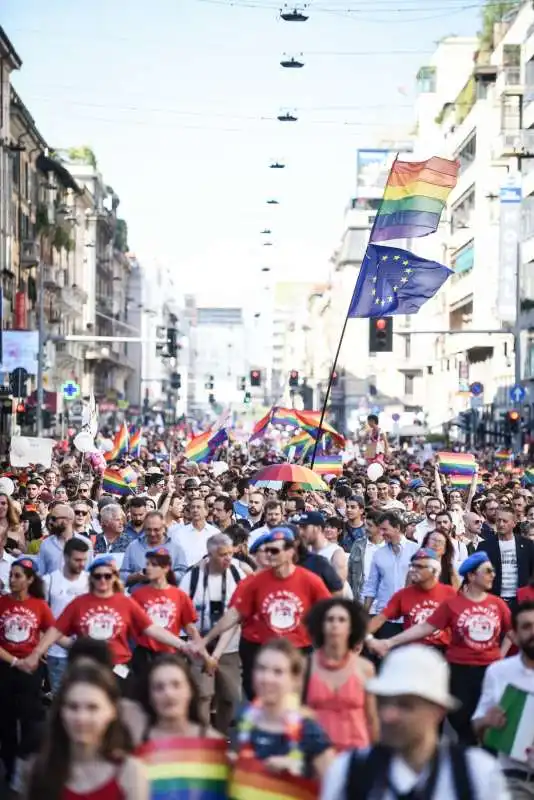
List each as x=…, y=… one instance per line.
x=486, y=778
x=192, y=541
x=509, y=671
x=202, y=599
x=509, y=567
x=59, y=592
x=422, y=528
x=5, y=568
x=328, y=552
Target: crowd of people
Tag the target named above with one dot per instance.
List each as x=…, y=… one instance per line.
x=355, y=643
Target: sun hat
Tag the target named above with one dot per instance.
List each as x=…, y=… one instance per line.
x=417, y=670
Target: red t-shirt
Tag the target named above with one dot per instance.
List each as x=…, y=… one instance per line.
x=476, y=628
x=169, y=608
x=21, y=623
x=416, y=605
x=250, y=627
x=280, y=604
x=113, y=620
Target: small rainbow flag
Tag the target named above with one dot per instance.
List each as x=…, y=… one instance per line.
x=528, y=477
x=456, y=463
x=503, y=455
x=197, y=449
x=261, y=426
x=414, y=198
x=284, y=416
x=301, y=441
x=252, y=781
x=461, y=481
x=329, y=465
x=186, y=769
x=114, y=483
x=120, y=444
x=134, y=444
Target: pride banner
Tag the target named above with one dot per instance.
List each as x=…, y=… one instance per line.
x=251, y=781
x=456, y=463
x=186, y=769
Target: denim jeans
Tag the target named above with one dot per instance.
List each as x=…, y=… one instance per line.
x=56, y=668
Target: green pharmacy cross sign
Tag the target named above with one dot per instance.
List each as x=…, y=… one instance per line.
x=70, y=390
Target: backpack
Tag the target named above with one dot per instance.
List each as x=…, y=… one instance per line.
x=368, y=774
x=195, y=575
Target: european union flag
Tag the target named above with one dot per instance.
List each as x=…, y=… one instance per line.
x=394, y=281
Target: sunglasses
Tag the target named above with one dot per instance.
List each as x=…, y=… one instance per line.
x=80, y=513
x=103, y=576
x=273, y=551
x=486, y=571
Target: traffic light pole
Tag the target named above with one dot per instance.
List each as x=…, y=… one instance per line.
x=41, y=348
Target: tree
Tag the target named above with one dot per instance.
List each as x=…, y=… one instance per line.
x=83, y=155
x=492, y=13
x=120, y=241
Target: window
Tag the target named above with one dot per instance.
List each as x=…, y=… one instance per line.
x=426, y=80
x=409, y=382
x=407, y=346
x=462, y=211
x=511, y=113
x=467, y=153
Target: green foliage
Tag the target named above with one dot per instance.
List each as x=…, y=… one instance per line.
x=120, y=241
x=41, y=219
x=466, y=100
x=61, y=240
x=83, y=155
x=492, y=13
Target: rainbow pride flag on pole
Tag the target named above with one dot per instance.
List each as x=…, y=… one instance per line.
x=460, y=481
x=134, y=443
x=198, y=448
x=301, y=441
x=120, y=444
x=414, y=198
x=261, y=426
x=115, y=482
x=284, y=416
x=310, y=421
x=456, y=463
x=186, y=769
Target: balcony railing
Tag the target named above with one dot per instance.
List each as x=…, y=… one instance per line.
x=514, y=143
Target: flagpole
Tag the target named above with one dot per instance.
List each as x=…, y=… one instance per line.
x=358, y=286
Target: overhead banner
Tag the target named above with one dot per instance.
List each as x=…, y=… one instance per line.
x=509, y=240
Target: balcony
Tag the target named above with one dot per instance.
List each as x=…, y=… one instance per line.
x=509, y=81
x=514, y=143
x=53, y=278
x=70, y=300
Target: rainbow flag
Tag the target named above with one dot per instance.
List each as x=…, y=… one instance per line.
x=329, y=465
x=301, y=441
x=198, y=449
x=217, y=439
x=414, y=198
x=528, y=477
x=456, y=463
x=114, y=482
x=503, y=455
x=186, y=769
x=120, y=444
x=310, y=422
x=462, y=481
x=134, y=444
x=261, y=426
x=284, y=416
x=252, y=781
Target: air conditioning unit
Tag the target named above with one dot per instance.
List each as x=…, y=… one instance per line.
x=30, y=253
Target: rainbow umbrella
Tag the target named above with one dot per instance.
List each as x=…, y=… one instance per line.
x=274, y=476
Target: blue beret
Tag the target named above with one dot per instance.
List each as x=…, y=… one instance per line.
x=27, y=562
x=425, y=552
x=102, y=561
x=473, y=562
x=260, y=541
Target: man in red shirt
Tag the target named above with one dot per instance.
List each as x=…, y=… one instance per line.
x=415, y=603
x=278, y=598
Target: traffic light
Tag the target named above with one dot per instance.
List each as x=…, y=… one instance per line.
x=210, y=382
x=247, y=398
x=172, y=342
x=294, y=378
x=176, y=380
x=242, y=384
x=255, y=377
x=514, y=421
x=380, y=335
x=211, y=399
x=21, y=414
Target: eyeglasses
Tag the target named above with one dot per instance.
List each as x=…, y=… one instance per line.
x=273, y=551
x=102, y=576
x=486, y=571
x=80, y=512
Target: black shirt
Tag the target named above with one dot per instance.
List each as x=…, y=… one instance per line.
x=323, y=568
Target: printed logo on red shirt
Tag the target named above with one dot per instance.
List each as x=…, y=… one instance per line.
x=479, y=625
x=101, y=623
x=19, y=625
x=420, y=612
x=283, y=610
x=161, y=611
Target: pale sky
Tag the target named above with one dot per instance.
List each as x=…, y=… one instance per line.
x=179, y=98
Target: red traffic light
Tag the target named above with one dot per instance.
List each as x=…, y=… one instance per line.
x=255, y=373
x=513, y=416
x=380, y=324
x=21, y=408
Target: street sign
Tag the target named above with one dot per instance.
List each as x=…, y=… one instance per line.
x=476, y=389
x=395, y=417
x=517, y=393
x=70, y=390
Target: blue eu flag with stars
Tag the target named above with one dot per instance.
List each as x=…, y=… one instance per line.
x=394, y=281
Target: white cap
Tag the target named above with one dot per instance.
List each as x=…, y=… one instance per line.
x=415, y=669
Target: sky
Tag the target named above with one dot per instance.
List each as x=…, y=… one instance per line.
x=179, y=98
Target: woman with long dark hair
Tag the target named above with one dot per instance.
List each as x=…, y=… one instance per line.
x=24, y=616
x=85, y=754
x=443, y=546
x=176, y=743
